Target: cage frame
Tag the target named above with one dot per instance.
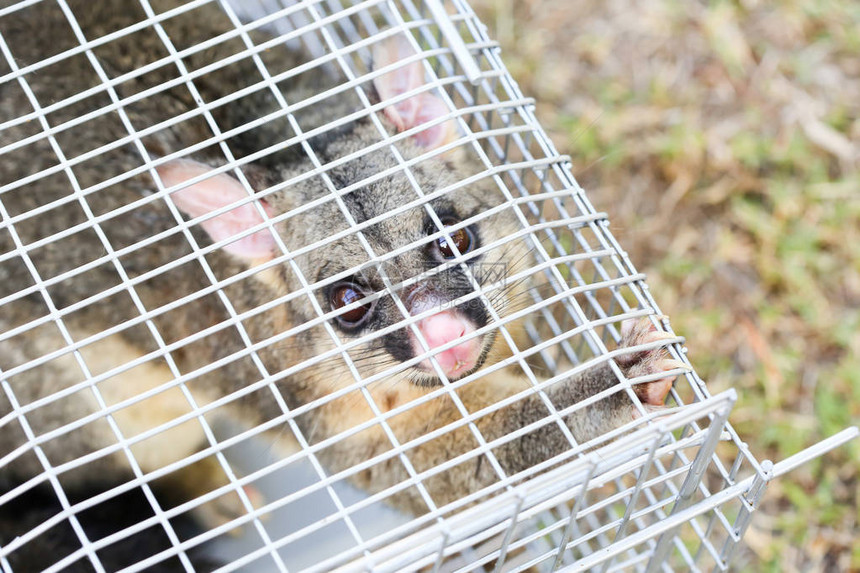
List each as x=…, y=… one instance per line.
x=457, y=71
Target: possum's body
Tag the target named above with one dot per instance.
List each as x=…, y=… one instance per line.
x=125, y=510
x=25, y=33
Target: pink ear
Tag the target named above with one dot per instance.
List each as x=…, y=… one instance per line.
x=213, y=193
x=417, y=109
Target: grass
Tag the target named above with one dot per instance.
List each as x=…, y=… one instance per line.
x=723, y=139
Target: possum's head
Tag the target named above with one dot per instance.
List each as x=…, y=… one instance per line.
x=406, y=261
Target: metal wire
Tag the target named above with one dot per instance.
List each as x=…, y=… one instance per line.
x=653, y=494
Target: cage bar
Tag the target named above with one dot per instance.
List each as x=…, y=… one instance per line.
x=271, y=94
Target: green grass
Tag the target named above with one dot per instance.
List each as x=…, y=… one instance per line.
x=723, y=139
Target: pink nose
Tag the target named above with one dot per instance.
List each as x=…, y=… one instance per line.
x=442, y=328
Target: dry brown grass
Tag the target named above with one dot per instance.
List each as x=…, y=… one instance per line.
x=724, y=141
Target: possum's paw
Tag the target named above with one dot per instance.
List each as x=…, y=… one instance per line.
x=228, y=507
x=635, y=332
x=205, y=476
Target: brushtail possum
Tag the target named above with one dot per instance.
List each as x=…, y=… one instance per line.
x=303, y=311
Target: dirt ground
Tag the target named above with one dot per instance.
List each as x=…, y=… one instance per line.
x=723, y=139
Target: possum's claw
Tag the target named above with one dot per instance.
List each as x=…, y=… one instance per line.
x=640, y=363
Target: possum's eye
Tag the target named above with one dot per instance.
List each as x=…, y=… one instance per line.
x=344, y=294
x=462, y=238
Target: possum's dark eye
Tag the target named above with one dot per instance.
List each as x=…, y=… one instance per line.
x=463, y=239
x=345, y=294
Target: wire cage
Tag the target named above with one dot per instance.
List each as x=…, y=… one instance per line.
x=375, y=169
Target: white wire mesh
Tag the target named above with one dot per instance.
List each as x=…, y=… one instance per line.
x=103, y=333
